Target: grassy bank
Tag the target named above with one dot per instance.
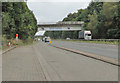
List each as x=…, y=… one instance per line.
x=13, y=42
x=92, y=41
x=22, y=42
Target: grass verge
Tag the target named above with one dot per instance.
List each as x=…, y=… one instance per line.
x=22, y=42
x=92, y=41
x=13, y=42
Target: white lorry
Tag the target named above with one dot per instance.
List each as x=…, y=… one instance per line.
x=85, y=35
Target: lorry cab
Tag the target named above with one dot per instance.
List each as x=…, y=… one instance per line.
x=87, y=35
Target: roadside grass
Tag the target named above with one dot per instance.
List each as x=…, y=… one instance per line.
x=4, y=47
x=22, y=42
x=4, y=43
x=92, y=41
x=13, y=42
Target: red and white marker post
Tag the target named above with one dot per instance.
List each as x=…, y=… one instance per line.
x=16, y=37
x=9, y=44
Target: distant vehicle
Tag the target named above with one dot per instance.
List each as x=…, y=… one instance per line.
x=38, y=39
x=67, y=38
x=46, y=39
x=85, y=35
x=43, y=39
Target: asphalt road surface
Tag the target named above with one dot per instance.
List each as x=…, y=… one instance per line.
x=98, y=49
x=42, y=62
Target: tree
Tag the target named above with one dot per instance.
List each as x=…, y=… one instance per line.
x=17, y=18
x=102, y=18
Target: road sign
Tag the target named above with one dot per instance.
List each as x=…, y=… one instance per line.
x=68, y=27
x=40, y=33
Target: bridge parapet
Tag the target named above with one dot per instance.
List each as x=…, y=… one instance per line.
x=71, y=22
x=61, y=23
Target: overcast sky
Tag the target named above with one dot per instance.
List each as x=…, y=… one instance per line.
x=55, y=10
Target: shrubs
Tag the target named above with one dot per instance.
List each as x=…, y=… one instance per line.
x=4, y=41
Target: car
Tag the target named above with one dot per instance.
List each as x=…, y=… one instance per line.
x=38, y=39
x=67, y=38
x=47, y=39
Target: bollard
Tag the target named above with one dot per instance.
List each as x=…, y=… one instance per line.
x=49, y=42
x=8, y=44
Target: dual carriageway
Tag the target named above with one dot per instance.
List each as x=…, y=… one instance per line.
x=44, y=62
